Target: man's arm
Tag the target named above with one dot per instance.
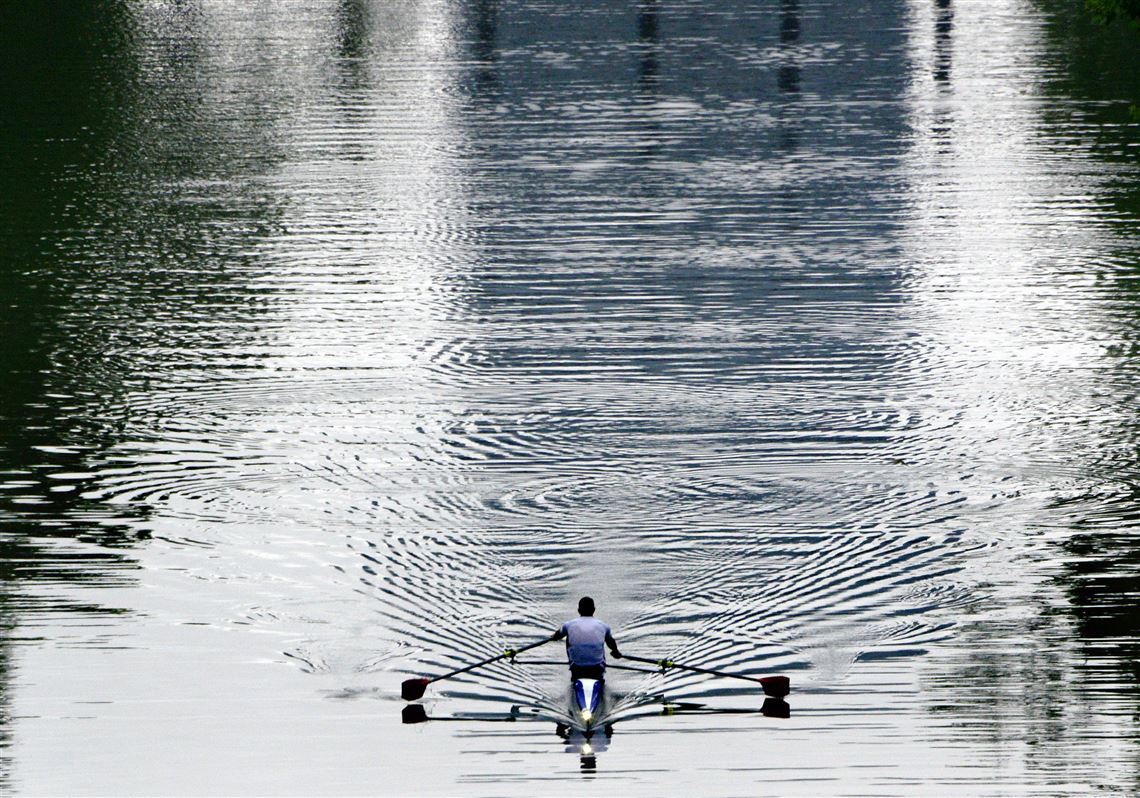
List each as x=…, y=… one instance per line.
x=561, y=633
x=613, y=645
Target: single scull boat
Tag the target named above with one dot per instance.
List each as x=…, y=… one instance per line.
x=587, y=702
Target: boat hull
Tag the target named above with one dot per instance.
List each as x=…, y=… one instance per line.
x=587, y=699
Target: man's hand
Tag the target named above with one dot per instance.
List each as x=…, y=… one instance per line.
x=616, y=653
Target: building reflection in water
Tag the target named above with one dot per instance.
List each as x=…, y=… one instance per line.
x=788, y=75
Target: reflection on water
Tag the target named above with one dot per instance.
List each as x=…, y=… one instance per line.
x=1011, y=310
x=587, y=749
x=1099, y=575
x=348, y=340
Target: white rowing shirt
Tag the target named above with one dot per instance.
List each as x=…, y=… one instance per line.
x=586, y=641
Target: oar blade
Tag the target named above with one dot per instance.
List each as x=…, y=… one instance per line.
x=413, y=689
x=414, y=713
x=776, y=708
x=776, y=686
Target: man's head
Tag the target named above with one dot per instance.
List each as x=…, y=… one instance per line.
x=585, y=606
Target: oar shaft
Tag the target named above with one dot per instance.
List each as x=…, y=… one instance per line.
x=510, y=652
x=629, y=668
x=665, y=664
x=610, y=666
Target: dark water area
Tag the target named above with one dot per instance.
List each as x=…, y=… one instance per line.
x=342, y=342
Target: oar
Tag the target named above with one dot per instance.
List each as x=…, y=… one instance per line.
x=772, y=708
x=610, y=666
x=413, y=689
x=775, y=686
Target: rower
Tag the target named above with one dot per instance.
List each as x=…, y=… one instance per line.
x=586, y=637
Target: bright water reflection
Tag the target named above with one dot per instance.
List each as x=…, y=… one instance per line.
x=350, y=340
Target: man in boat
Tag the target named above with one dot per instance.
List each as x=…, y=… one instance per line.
x=586, y=639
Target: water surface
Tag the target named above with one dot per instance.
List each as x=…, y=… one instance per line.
x=347, y=341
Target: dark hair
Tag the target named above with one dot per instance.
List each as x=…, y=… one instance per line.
x=585, y=606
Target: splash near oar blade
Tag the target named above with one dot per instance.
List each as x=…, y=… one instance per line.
x=776, y=686
x=413, y=689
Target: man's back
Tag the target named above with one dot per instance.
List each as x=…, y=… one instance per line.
x=586, y=640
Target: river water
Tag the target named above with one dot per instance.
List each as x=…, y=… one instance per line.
x=351, y=341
